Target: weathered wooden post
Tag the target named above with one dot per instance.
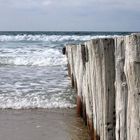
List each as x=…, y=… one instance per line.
x=132, y=72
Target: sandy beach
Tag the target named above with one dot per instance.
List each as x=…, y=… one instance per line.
x=41, y=124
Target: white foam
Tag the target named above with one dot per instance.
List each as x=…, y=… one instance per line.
x=50, y=38
x=38, y=57
x=17, y=101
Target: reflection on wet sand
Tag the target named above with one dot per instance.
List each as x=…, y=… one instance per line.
x=41, y=124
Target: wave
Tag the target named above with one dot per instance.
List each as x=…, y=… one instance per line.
x=38, y=57
x=50, y=38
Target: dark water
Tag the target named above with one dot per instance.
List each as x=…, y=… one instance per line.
x=62, y=33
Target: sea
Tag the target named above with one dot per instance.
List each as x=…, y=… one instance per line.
x=33, y=70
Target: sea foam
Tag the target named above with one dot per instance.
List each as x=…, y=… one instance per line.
x=33, y=101
x=29, y=57
x=50, y=38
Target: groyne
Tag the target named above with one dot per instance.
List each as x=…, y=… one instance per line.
x=106, y=75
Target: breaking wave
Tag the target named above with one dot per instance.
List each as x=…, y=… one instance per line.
x=38, y=57
x=50, y=38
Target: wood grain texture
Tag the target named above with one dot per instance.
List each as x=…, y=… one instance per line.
x=106, y=76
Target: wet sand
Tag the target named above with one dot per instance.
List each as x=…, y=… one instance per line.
x=41, y=124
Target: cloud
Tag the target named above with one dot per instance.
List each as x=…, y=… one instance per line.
x=25, y=3
x=70, y=14
x=103, y=4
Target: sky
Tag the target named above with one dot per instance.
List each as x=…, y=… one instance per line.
x=69, y=15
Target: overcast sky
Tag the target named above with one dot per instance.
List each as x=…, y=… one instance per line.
x=70, y=15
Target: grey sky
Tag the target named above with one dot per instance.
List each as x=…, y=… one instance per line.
x=68, y=15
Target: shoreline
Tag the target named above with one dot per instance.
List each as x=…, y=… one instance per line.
x=42, y=124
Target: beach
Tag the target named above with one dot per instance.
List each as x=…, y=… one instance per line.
x=41, y=124
x=37, y=101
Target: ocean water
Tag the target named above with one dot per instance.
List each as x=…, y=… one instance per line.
x=33, y=71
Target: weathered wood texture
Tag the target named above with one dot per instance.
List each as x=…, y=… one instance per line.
x=121, y=89
x=106, y=75
x=127, y=58
x=132, y=72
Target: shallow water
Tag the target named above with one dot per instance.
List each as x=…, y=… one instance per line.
x=35, y=87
